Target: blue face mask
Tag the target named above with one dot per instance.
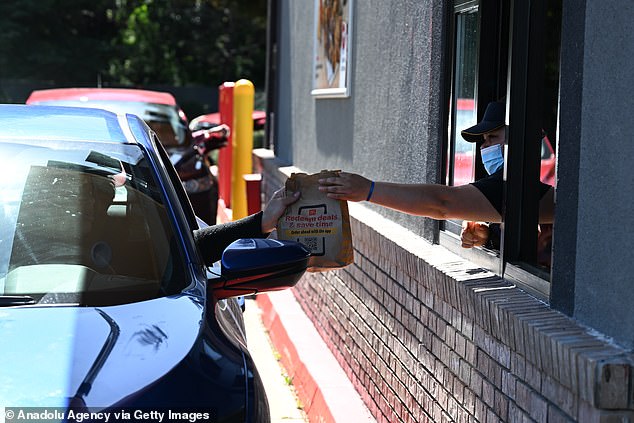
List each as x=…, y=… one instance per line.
x=492, y=158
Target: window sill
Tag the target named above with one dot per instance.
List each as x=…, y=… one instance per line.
x=530, y=279
x=485, y=258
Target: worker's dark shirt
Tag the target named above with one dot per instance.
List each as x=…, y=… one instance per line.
x=492, y=187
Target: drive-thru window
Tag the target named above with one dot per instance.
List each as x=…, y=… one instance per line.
x=499, y=54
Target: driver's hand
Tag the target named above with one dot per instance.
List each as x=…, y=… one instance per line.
x=275, y=208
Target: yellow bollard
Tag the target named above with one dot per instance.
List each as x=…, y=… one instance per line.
x=242, y=131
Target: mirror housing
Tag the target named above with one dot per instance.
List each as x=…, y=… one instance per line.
x=251, y=265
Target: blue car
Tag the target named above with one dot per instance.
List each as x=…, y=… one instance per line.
x=105, y=303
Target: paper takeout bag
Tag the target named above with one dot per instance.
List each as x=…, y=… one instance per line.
x=322, y=224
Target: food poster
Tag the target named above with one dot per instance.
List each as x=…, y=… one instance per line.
x=333, y=23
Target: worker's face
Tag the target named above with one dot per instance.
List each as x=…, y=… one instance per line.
x=494, y=137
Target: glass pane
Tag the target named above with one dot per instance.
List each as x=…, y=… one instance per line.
x=464, y=95
x=550, y=112
x=84, y=223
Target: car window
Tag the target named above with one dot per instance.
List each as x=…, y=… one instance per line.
x=84, y=226
x=162, y=118
x=164, y=131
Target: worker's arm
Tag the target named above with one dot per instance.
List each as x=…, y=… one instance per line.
x=431, y=200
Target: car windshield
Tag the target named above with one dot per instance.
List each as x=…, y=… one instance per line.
x=84, y=225
x=162, y=118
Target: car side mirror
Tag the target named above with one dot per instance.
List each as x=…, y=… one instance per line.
x=251, y=266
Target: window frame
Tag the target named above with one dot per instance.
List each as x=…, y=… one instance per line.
x=524, y=94
x=490, y=84
x=526, y=91
x=450, y=229
x=514, y=70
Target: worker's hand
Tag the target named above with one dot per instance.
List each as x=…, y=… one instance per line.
x=275, y=208
x=346, y=186
x=474, y=234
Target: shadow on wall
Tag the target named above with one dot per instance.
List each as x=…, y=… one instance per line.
x=334, y=132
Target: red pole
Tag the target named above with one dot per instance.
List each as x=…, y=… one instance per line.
x=254, y=199
x=225, y=107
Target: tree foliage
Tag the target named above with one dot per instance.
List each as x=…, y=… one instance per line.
x=133, y=42
x=57, y=40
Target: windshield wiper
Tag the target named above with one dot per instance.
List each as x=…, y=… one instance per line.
x=15, y=300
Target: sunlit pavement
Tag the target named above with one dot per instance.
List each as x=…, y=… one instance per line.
x=326, y=393
x=283, y=401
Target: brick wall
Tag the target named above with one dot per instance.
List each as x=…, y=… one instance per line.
x=426, y=336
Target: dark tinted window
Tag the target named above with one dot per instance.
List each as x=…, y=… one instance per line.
x=84, y=226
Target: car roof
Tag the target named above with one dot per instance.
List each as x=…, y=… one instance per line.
x=62, y=123
x=215, y=117
x=101, y=94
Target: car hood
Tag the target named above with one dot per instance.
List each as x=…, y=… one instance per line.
x=98, y=354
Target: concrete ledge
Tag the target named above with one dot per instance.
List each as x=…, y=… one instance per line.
x=322, y=386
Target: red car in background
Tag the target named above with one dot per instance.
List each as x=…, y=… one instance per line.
x=187, y=149
x=547, y=169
